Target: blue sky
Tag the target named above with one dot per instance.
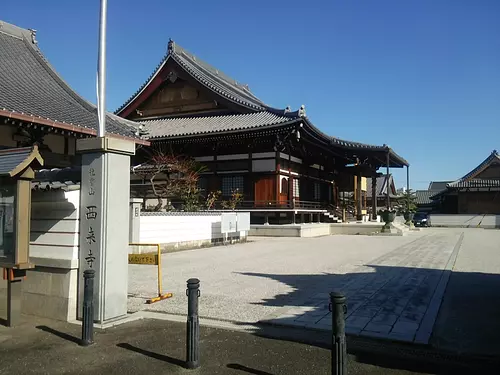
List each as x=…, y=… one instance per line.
x=420, y=75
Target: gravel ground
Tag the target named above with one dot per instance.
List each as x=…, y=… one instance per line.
x=236, y=279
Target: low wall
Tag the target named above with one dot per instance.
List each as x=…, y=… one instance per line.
x=50, y=289
x=465, y=221
x=355, y=228
x=291, y=230
x=178, y=230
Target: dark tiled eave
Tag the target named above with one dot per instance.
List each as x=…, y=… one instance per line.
x=32, y=92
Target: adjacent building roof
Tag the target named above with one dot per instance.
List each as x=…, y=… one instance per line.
x=32, y=91
x=438, y=185
x=471, y=179
x=423, y=197
x=15, y=160
x=381, y=187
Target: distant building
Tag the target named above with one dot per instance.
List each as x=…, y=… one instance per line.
x=424, y=202
x=477, y=192
x=383, y=183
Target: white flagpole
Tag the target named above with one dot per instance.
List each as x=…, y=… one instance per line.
x=101, y=70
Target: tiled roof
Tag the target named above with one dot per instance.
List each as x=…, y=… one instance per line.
x=29, y=86
x=423, y=197
x=438, y=185
x=185, y=126
x=475, y=183
x=207, y=75
x=492, y=158
x=381, y=186
x=469, y=181
x=11, y=160
x=57, y=178
x=216, y=81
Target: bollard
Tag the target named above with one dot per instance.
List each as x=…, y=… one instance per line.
x=193, y=325
x=338, y=308
x=88, y=308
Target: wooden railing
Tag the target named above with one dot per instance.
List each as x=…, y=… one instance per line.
x=268, y=204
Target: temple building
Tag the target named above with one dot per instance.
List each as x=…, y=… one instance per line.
x=277, y=158
x=477, y=192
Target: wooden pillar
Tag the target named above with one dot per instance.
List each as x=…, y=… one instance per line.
x=290, y=180
x=374, y=197
x=250, y=194
x=278, y=182
x=359, y=198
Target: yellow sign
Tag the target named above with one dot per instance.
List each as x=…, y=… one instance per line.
x=148, y=258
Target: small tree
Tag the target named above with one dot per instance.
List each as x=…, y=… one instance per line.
x=408, y=201
x=236, y=198
x=173, y=176
x=212, y=198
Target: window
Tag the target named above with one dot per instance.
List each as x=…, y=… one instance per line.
x=317, y=191
x=284, y=185
x=7, y=217
x=203, y=185
x=296, y=188
x=231, y=183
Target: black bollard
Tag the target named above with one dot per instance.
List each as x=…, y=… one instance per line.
x=193, y=325
x=88, y=308
x=338, y=308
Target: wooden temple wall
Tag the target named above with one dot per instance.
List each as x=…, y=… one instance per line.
x=266, y=176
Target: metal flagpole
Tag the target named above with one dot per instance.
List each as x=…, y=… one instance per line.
x=101, y=70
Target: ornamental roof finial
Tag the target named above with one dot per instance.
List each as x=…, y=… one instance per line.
x=33, y=36
x=302, y=111
x=170, y=47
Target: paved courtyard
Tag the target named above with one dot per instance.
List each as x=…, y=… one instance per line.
x=394, y=285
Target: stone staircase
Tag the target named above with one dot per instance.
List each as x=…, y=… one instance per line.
x=330, y=217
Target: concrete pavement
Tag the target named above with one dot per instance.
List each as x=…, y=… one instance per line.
x=395, y=285
x=158, y=347
x=396, y=296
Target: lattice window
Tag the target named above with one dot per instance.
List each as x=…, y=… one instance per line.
x=317, y=191
x=203, y=185
x=231, y=183
x=296, y=188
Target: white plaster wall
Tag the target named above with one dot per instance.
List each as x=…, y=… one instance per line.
x=55, y=228
x=179, y=228
x=50, y=289
x=462, y=220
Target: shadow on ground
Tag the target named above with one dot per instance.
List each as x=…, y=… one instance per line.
x=465, y=332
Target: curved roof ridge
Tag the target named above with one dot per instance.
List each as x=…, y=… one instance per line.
x=485, y=163
x=206, y=74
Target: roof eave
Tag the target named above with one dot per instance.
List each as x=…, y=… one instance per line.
x=64, y=126
x=225, y=132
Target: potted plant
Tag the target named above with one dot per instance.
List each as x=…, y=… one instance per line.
x=408, y=201
x=387, y=216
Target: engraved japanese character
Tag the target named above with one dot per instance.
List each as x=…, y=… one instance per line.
x=91, y=213
x=90, y=236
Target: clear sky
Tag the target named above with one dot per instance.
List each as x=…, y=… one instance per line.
x=420, y=75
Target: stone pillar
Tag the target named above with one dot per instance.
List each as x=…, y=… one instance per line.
x=374, y=198
x=104, y=222
x=359, y=198
x=135, y=220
